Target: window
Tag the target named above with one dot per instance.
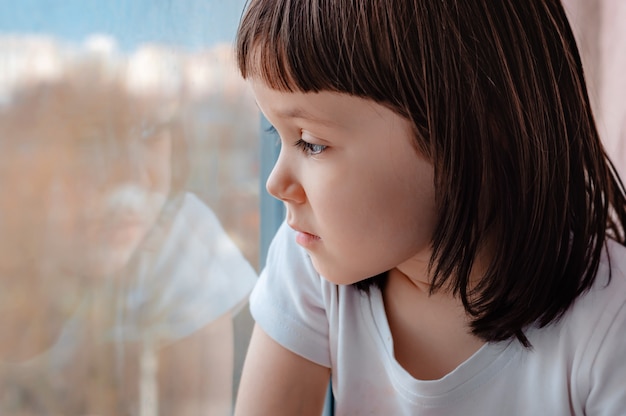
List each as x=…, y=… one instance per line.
x=129, y=219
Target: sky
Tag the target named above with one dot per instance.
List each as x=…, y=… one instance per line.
x=189, y=24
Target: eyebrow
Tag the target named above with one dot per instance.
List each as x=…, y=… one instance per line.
x=300, y=113
x=296, y=113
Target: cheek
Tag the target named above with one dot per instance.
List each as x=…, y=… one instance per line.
x=399, y=214
x=414, y=197
x=64, y=202
x=380, y=218
x=158, y=164
x=62, y=234
x=383, y=199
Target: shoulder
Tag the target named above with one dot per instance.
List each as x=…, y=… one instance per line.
x=602, y=306
x=605, y=369
x=584, y=351
x=607, y=297
x=193, y=214
x=596, y=328
x=195, y=273
x=581, y=332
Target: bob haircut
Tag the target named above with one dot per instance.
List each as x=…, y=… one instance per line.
x=51, y=124
x=88, y=107
x=496, y=93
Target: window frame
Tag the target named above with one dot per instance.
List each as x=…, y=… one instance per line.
x=273, y=213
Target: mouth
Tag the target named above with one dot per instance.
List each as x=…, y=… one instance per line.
x=304, y=238
x=122, y=230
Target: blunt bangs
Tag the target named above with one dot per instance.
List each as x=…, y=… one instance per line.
x=352, y=47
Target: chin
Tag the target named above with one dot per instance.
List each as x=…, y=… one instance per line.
x=362, y=279
x=336, y=275
x=108, y=261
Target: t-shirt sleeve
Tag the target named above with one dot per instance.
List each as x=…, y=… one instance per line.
x=197, y=275
x=606, y=362
x=607, y=395
x=288, y=300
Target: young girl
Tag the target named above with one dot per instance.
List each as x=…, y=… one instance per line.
x=454, y=238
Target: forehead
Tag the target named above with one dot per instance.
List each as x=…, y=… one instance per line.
x=324, y=107
x=63, y=114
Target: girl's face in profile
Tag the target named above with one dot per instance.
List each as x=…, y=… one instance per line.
x=116, y=191
x=87, y=189
x=357, y=192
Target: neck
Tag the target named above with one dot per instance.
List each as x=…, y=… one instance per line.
x=430, y=332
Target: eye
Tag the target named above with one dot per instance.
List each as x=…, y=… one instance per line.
x=149, y=131
x=310, y=149
x=273, y=133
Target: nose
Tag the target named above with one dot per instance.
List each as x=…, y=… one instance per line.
x=127, y=165
x=283, y=183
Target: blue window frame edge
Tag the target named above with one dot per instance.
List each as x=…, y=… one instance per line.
x=272, y=210
x=273, y=213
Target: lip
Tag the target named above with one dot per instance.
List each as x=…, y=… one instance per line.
x=124, y=221
x=120, y=230
x=303, y=238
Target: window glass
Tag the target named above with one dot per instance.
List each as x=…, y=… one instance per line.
x=129, y=220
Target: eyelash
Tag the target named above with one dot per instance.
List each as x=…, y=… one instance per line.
x=271, y=130
x=310, y=149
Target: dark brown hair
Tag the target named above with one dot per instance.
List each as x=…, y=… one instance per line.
x=497, y=96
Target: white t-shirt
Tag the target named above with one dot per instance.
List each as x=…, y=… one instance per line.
x=577, y=366
x=197, y=275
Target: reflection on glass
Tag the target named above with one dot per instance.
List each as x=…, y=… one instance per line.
x=118, y=280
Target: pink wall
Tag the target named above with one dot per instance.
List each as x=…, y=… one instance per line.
x=600, y=26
